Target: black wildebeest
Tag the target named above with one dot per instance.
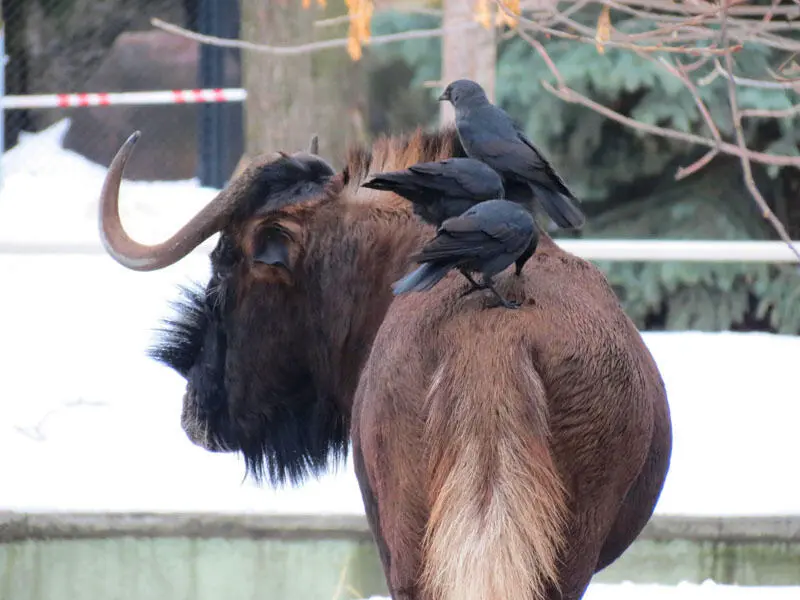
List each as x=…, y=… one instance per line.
x=500, y=454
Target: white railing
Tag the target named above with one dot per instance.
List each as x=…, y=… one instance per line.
x=611, y=250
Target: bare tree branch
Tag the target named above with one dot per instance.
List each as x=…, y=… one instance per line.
x=211, y=40
x=569, y=95
x=679, y=28
x=755, y=83
x=408, y=9
x=747, y=170
x=672, y=28
x=586, y=35
x=771, y=114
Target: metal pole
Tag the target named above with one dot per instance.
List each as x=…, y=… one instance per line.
x=3, y=59
x=221, y=18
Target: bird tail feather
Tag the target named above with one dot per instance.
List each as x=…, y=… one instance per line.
x=559, y=207
x=421, y=279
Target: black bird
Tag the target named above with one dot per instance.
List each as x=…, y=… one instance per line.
x=486, y=239
x=490, y=135
x=443, y=189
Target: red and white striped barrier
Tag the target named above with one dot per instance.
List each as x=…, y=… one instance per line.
x=124, y=98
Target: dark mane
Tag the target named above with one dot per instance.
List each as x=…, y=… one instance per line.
x=303, y=429
x=400, y=151
x=180, y=336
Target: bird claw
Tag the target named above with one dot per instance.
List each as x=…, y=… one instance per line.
x=470, y=289
x=503, y=302
x=510, y=303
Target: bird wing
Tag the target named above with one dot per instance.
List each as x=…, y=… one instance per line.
x=500, y=142
x=454, y=249
x=543, y=163
x=502, y=230
x=432, y=176
x=511, y=155
x=458, y=179
x=480, y=181
x=461, y=237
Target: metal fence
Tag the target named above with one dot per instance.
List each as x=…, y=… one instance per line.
x=109, y=46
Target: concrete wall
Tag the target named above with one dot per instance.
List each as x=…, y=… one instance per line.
x=199, y=557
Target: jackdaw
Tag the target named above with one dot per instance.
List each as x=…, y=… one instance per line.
x=486, y=239
x=489, y=134
x=443, y=189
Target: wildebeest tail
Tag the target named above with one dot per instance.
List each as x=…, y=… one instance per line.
x=498, y=506
x=421, y=279
x=560, y=207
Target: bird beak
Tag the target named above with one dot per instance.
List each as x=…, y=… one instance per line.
x=444, y=96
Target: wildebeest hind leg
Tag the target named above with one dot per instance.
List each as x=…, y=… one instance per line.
x=392, y=493
x=641, y=499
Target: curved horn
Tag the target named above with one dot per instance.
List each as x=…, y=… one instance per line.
x=313, y=146
x=140, y=257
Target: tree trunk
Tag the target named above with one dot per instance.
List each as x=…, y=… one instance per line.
x=341, y=88
x=280, y=89
x=466, y=53
x=290, y=98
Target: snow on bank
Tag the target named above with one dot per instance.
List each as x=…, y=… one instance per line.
x=708, y=590
x=88, y=422
x=50, y=194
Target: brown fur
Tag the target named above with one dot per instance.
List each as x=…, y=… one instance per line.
x=501, y=454
x=496, y=449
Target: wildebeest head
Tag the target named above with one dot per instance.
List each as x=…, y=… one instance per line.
x=223, y=335
x=272, y=346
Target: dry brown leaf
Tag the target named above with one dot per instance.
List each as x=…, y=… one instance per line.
x=603, y=29
x=504, y=18
x=483, y=14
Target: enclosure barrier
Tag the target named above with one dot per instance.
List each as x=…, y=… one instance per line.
x=261, y=551
x=124, y=98
x=610, y=250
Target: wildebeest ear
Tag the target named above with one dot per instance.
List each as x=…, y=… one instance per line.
x=271, y=247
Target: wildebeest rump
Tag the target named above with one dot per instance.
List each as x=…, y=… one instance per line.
x=490, y=135
x=501, y=454
x=442, y=189
x=485, y=239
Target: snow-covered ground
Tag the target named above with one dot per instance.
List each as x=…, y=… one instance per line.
x=88, y=422
x=708, y=590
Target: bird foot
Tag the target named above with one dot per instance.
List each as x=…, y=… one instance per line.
x=474, y=285
x=471, y=289
x=503, y=302
x=510, y=303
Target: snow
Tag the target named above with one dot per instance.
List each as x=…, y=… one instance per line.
x=50, y=194
x=89, y=423
x=708, y=590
